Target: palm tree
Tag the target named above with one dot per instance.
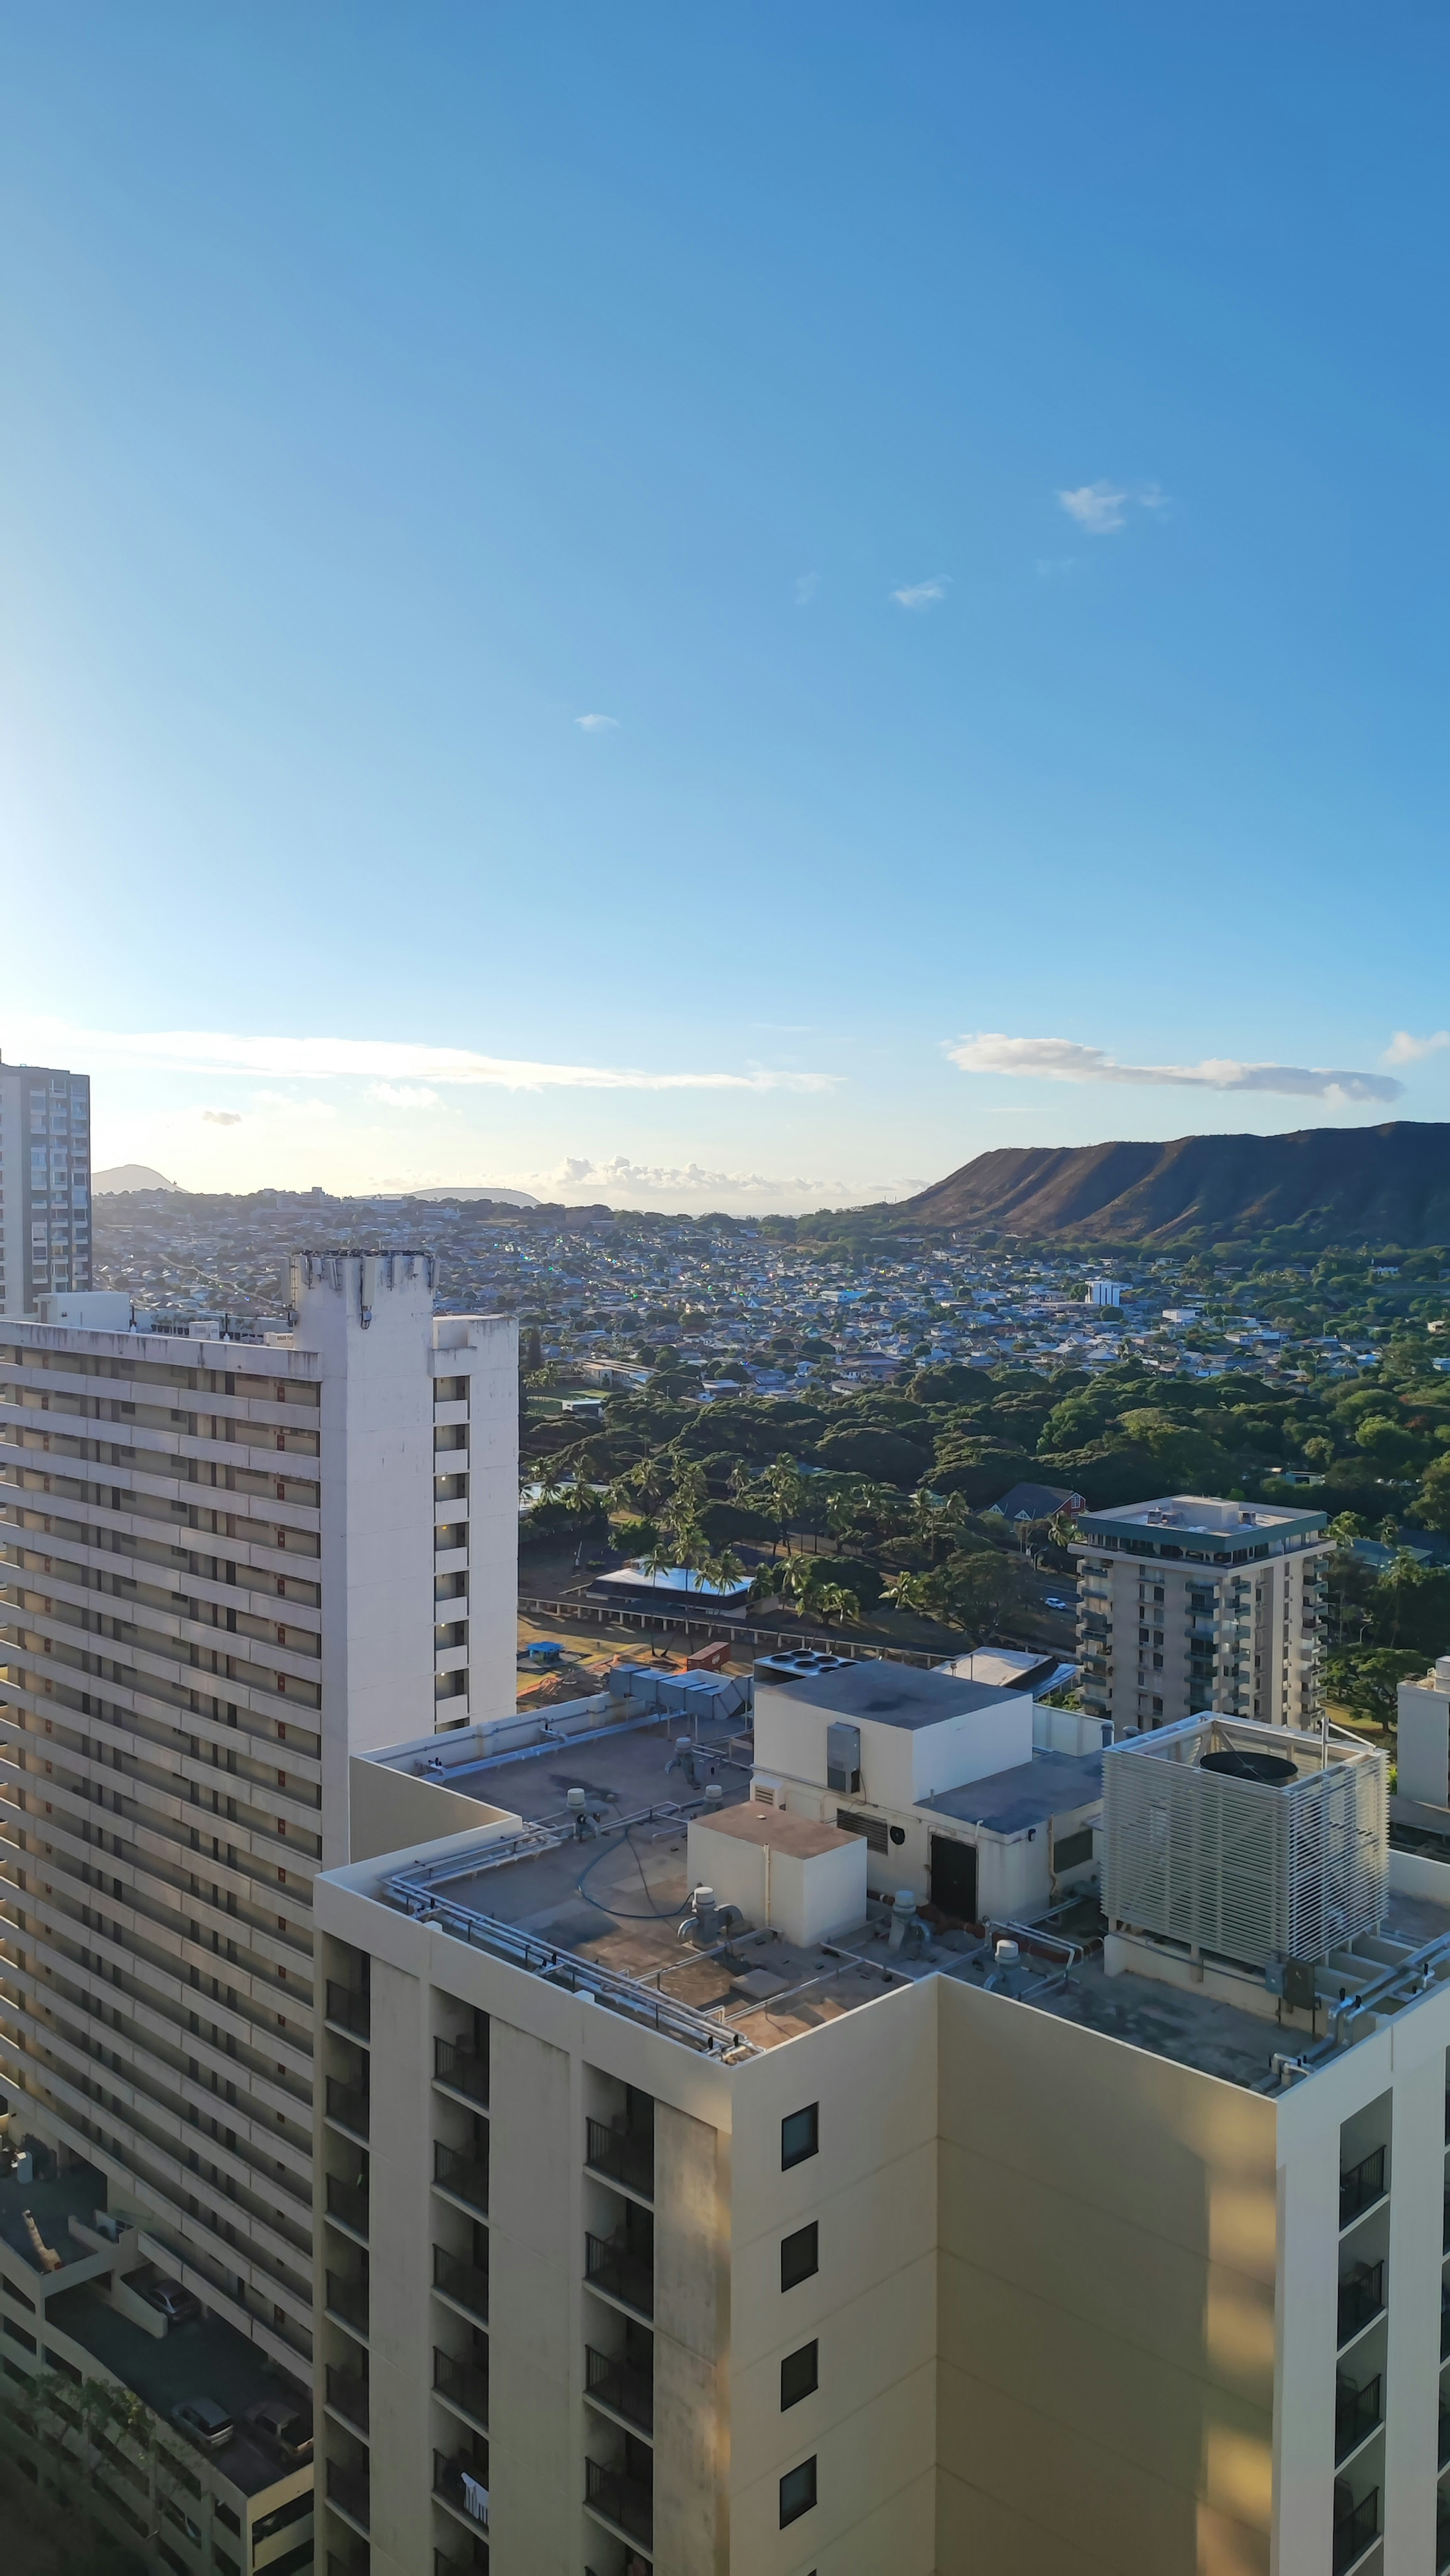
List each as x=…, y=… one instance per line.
x=836, y=1601
x=912, y=1592
x=1062, y=1528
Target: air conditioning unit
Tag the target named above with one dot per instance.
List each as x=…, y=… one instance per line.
x=766, y=1790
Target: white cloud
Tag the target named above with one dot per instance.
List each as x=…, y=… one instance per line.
x=307, y=1059
x=923, y=594
x=1101, y=509
x=1063, y=1060
x=221, y=1118
x=578, y=1172
x=402, y=1095
x=1403, y=1049
x=803, y=591
x=597, y=724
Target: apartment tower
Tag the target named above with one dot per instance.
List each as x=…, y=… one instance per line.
x=224, y=1567
x=692, y=2210
x=45, y=1184
x=1188, y=1603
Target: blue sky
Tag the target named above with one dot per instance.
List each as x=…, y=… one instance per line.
x=981, y=471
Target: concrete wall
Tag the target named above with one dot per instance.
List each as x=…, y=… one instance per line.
x=392, y=1808
x=1107, y=2273
x=1423, y=1741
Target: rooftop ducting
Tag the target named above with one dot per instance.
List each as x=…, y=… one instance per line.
x=1251, y=1843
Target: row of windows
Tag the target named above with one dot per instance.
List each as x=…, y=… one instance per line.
x=800, y=2257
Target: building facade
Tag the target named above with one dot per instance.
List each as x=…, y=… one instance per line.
x=45, y=1184
x=795, y=2251
x=225, y=1567
x=1189, y=1603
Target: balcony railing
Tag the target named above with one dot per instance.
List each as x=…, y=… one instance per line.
x=461, y=2478
x=611, y=2267
x=462, y=2068
x=463, y=2282
x=348, y=2009
x=1361, y=2186
x=626, y=2503
x=461, y=2175
x=1354, y=2530
x=347, y=2395
x=349, y=2202
x=624, y=2157
x=1356, y=2413
x=349, y=2488
x=1361, y=2296
x=464, y=2383
x=348, y=2298
x=625, y=2390
x=348, y=2105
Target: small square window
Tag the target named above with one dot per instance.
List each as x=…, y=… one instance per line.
x=797, y=2492
x=799, y=2375
x=800, y=2256
x=800, y=2136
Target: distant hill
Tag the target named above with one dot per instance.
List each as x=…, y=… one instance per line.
x=500, y=1198
x=1388, y=1184
x=128, y=1176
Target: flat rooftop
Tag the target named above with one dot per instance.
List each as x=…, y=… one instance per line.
x=613, y=1902
x=1204, y=1515
x=888, y=1694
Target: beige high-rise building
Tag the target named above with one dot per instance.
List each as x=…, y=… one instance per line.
x=693, y=2208
x=45, y=1184
x=1189, y=1603
x=225, y=1568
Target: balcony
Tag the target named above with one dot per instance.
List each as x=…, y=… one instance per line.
x=462, y=2070
x=1361, y=2187
x=611, y=2266
x=1361, y=2297
x=464, y=2385
x=1356, y=2415
x=463, y=2283
x=1442, y=2540
x=445, y=2563
x=347, y=2108
x=348, y=2202
x=622, y=2501
x=1355, y=2526
x=348, y=2299
x=462, y=2177
x=348, y=2010
x=622, y=2155
x=460, y=2480
x=347, y=2396
x=627, y=2392
x=1442, y=2453
x=348, y=2490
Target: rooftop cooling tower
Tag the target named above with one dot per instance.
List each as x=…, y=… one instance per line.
x=1251, y=1842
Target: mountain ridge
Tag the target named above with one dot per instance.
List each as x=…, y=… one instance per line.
x=1383, y=1184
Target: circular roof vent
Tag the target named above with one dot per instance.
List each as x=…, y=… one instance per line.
x=1268, y=1769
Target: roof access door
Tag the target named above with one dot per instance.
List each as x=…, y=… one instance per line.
x=954, y=1877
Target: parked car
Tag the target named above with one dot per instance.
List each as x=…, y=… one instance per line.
x=285, y=2423
x=206, y=2422
x=176, y=2305
x=1056, y=1601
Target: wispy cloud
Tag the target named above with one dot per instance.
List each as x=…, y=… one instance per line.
x=1054, y=567
x=377, y=1060
x=597, y=724
x=804, y=588
x=923, y=594
x=619, y=1173
x=402, y=1095
x=221, y=1118
x=1101, y=509
x=1063, y=1060
x=1404, y=1049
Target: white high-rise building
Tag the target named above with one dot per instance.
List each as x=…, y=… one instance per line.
x=691, y=2209
x=1190, y=1603
x=224, y=1568
x=45, y=1184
